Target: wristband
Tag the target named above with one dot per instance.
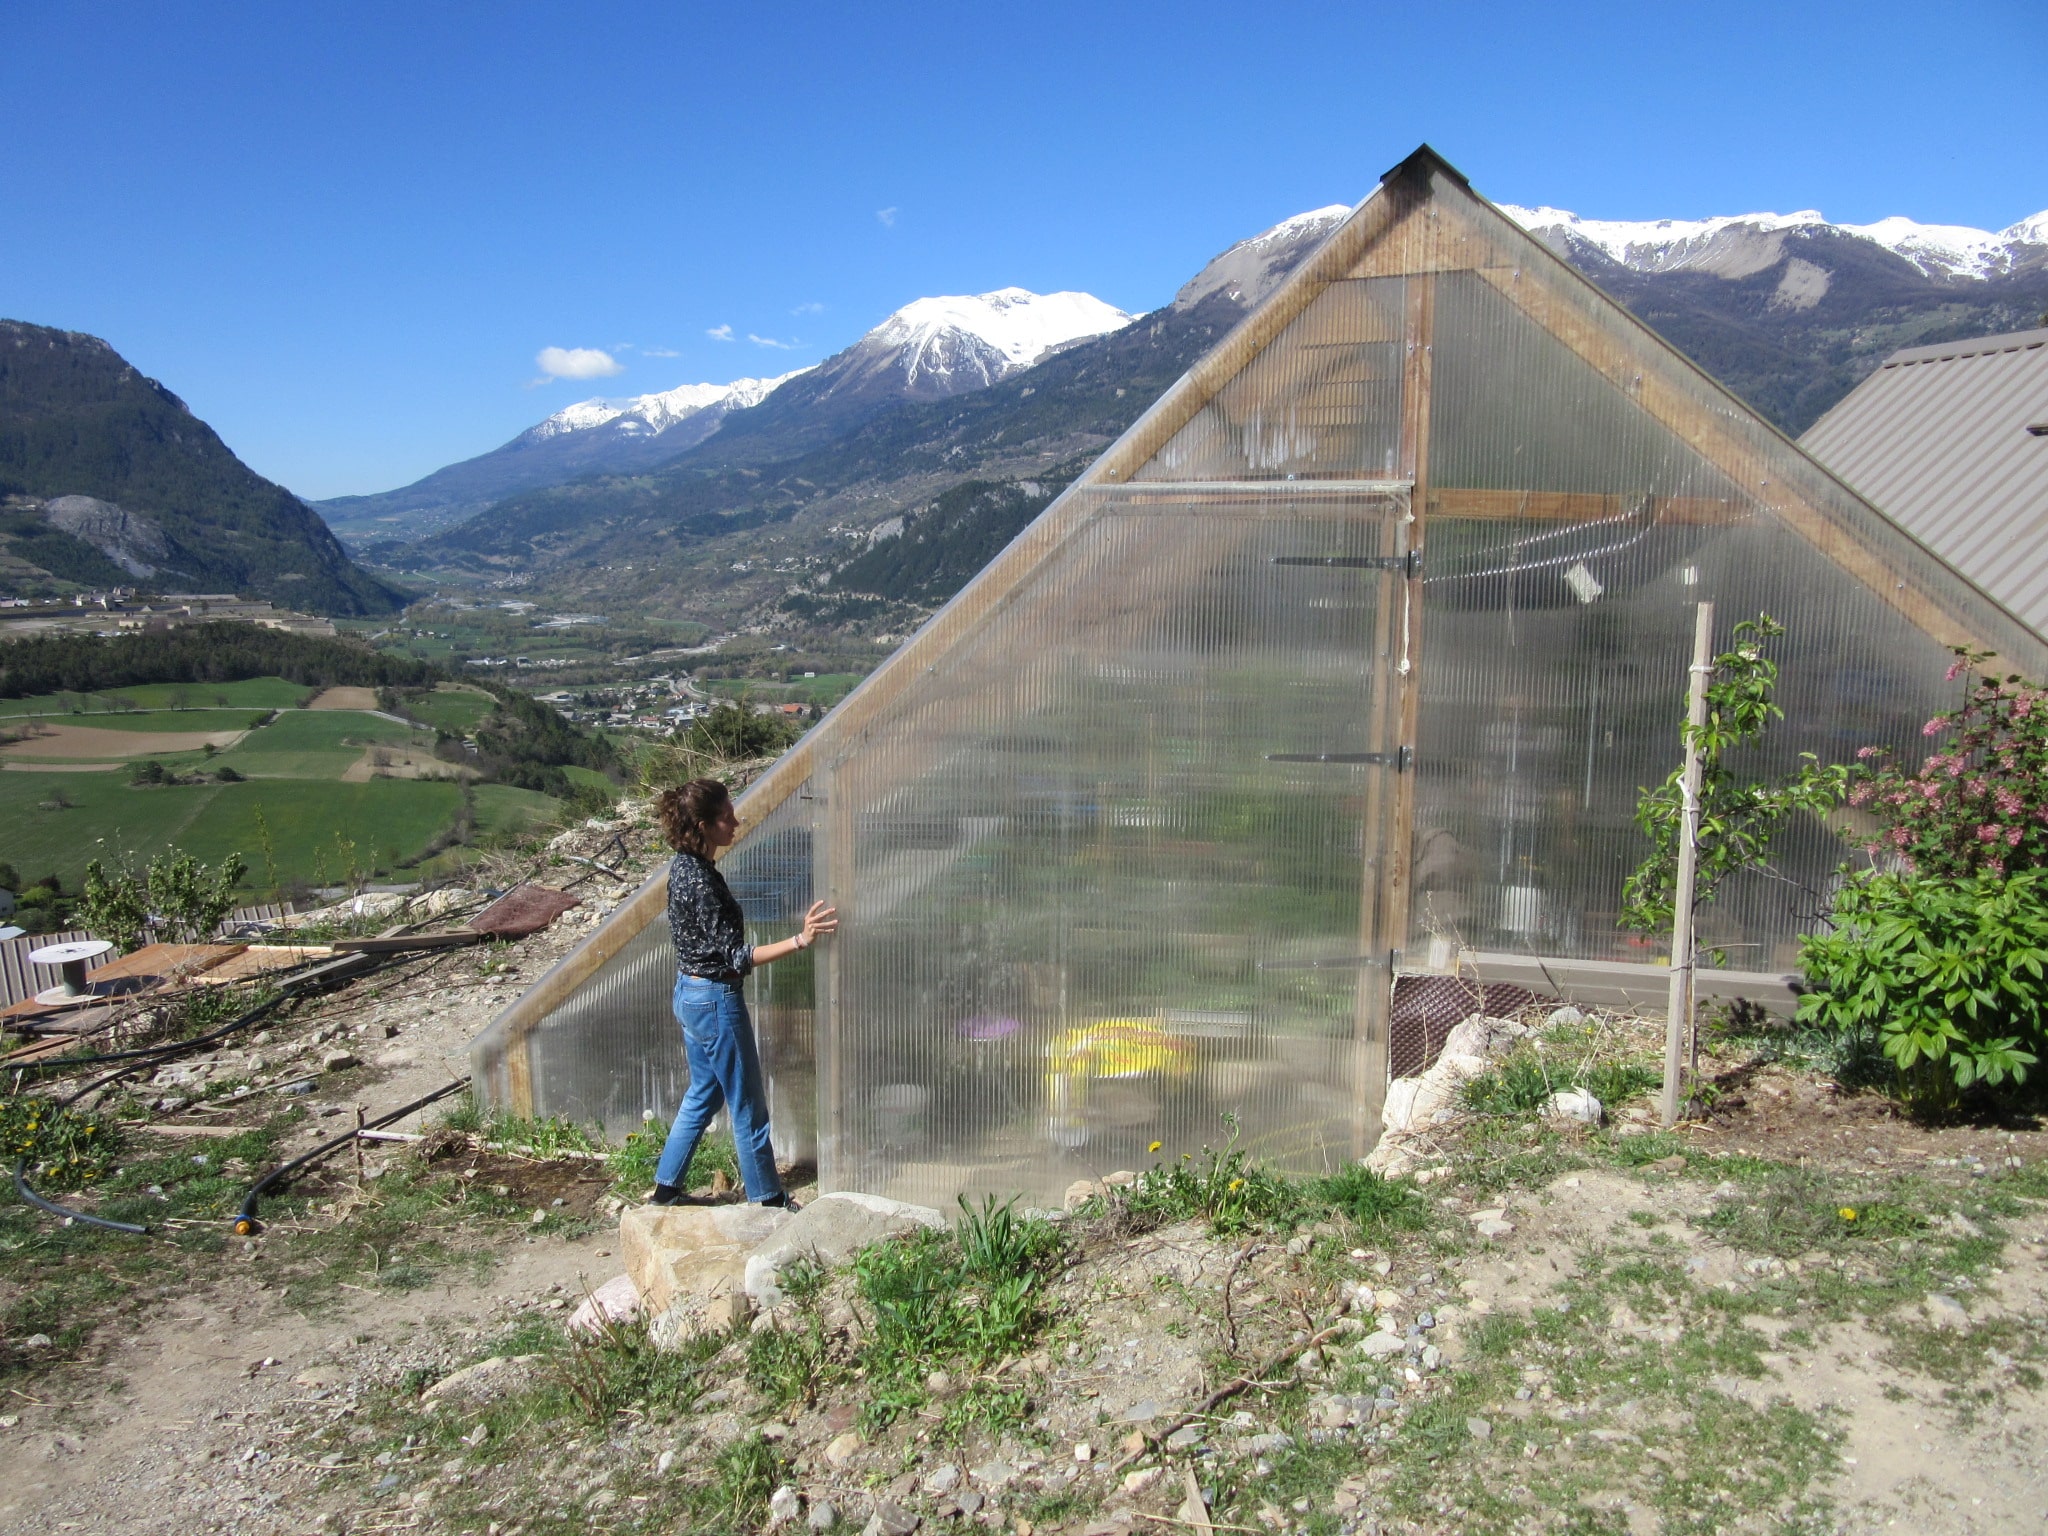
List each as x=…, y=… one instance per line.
x=800, y=941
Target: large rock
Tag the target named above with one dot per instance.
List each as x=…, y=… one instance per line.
x=829, y=1231
x=692, y=1253
x=1413, y=1102
x=1478, y=1035
x=616, y=1301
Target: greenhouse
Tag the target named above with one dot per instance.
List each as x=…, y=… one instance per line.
x=1343, y=666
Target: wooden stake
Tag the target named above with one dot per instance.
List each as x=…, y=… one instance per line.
x=1679, y=1010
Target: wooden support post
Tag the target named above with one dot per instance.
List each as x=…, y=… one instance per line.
x=1679, y=1010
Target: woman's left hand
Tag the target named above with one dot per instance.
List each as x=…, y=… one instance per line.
x=819, y=921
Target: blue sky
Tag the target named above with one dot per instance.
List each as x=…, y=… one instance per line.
x=344, y=233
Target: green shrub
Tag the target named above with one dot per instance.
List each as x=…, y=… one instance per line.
x=1223, y=1188
x=176, y=899
x=1946, y=974
x=1372, y=1199
x=1518, y=1086
x=65, y=1150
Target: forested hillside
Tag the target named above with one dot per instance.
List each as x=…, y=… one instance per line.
x=105, y=475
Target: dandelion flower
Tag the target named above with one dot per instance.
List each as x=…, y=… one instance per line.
x=1154, y=1147
x=1237, y=1184
x=1847, y=1213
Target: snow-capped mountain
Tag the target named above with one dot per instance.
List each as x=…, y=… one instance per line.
x=1252, y=268
x=591, y=436
x=942, y=346
x=1737, y=245
x=652, y=415
x=929, y=349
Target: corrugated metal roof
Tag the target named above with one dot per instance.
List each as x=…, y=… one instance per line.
x=1938, y=438
x=19, y=979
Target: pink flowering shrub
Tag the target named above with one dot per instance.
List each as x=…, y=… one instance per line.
x=1979, y=804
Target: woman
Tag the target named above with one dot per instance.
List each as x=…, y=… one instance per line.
x=712, y=958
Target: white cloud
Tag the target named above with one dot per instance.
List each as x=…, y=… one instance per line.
x=659, y=352
x=577, y=363
x=887, y=216
x=813, y=307
x=770, y=341
x=720, y=333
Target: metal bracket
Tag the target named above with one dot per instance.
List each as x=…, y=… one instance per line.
x=1409, y=564
x=1400, y=760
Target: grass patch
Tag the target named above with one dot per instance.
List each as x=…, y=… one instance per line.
x=249, y=693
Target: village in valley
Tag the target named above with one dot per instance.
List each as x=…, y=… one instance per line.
x=1400, y=886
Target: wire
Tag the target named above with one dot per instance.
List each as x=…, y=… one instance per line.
x=246, y=1223
x=348, y=967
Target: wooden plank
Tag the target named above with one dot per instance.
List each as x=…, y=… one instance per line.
x=163, y=964
x=409, y=941
x=1578, y=507
x=1397, y=826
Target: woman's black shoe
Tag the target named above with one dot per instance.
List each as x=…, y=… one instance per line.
x=664, y=1194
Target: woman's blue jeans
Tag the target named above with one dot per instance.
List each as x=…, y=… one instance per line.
x=725, y=1071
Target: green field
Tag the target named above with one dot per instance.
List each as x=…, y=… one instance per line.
x=165, y=720
x=500, y=808
x=826, y=689
x=318, y=828
x=253, y=693
x=312, y=824
x=310, y=744
x=451, y=708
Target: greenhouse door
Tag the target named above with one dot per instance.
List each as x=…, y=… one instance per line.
x=1115, y=869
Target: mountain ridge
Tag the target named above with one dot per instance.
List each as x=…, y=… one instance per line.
x=928, y=349
x=107, y=478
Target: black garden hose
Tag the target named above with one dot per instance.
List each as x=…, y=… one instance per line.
x=346, y=968
x=286, y=990
x=247, y=1225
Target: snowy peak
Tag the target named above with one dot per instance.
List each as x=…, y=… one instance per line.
x=1738, y=245
x=652, y=415
x=1253, y=267
x=967, y=341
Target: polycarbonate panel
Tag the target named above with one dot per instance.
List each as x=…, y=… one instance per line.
x=1569, y=536
x=613, y=1053
x=1108, y=871
x=1322, y=402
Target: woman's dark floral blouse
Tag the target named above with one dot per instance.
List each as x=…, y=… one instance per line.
x=703, y=917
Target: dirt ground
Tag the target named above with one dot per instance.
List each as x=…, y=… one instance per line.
x=79, y=741
x=345, y=698
x=403, y=763
x=1802, y=1312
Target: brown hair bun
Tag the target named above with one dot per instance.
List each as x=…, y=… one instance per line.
x=687, y=812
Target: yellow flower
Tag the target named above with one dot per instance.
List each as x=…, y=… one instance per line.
x=1154, y=1147
x=1237, y=1183
x=1847, y=1213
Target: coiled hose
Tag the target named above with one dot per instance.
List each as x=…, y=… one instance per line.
x=346, y=968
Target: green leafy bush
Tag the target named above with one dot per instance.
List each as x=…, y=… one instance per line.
x=1372, y=1199
x=1223, y=1188
x=177, y=899
x=1946, y=974
x=1517, y=1086
x=65, y=1150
